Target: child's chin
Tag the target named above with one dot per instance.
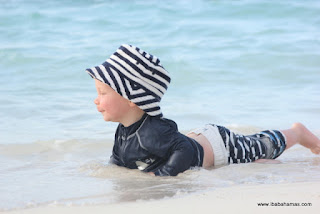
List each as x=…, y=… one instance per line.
x=107, y=119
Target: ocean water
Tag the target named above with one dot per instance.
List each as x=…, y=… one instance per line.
x=248, y=65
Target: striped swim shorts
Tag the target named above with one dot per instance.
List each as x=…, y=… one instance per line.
x=230, y=148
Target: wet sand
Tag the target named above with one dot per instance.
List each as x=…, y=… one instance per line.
x=286, y=198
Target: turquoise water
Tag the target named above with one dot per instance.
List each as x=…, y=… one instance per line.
x=248, y=65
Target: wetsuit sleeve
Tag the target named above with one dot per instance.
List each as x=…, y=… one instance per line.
x=161, y=138
x=114, y=158
x=176, y=151
x=179, y=159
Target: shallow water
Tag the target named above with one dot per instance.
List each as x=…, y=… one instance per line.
x=248, y=65
x=76, y=172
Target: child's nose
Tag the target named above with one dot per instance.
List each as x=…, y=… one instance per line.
x=96, y=101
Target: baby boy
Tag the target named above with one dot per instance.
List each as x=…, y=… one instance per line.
x=130, y=85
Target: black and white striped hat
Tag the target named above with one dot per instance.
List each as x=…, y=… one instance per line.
x=136, y=76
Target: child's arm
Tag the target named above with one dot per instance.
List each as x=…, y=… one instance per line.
x=114, y=160
x=179, y=157
x=160, y=137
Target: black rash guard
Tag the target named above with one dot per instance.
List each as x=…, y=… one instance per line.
x=153, y=144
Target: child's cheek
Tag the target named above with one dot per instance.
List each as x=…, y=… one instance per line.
x=105, y=104
x=108, y=104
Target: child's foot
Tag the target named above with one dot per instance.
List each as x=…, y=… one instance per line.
x=306, y=138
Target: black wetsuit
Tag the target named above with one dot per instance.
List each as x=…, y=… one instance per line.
x=153, y=144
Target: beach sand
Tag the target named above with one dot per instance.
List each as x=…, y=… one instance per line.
x=236, y=199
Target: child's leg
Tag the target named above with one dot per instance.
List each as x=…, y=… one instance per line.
x=268, y=144
x=298, y=133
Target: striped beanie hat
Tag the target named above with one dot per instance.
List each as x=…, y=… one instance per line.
x=136, y=76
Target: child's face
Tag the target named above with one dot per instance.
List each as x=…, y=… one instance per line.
x=112, y=105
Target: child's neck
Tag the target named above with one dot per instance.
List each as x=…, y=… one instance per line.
x=132, y=117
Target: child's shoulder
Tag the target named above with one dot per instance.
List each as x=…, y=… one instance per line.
x=157, y=135
x=154, y=126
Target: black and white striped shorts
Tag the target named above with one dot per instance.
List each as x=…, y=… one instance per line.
x=229, y=147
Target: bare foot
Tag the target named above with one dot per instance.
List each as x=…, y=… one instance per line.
x=306, y=138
